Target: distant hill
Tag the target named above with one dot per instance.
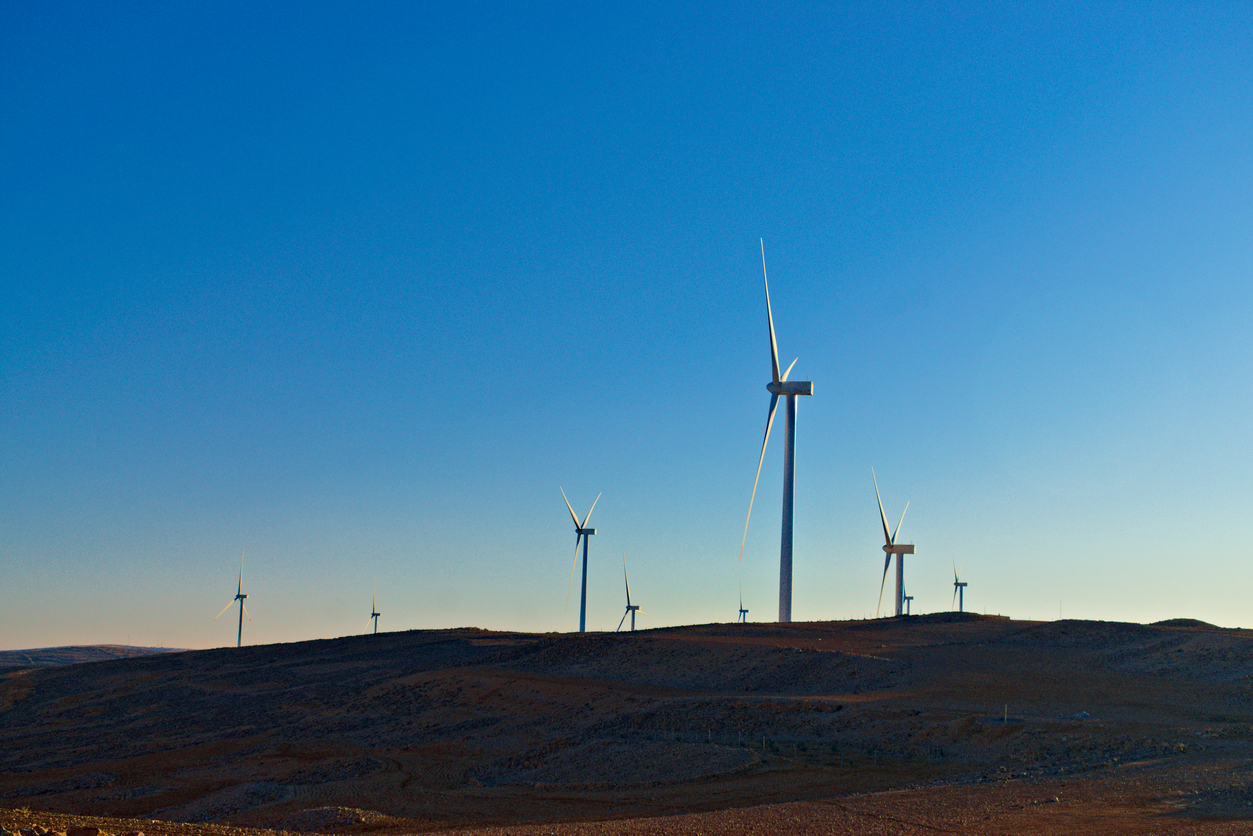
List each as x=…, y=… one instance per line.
x=49, y=656
x=1186, y=622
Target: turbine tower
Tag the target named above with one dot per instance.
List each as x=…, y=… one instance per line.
x=239, y=596
x=891, y=547
x=780, y=385
x=374, y=613
x=631, y=609
x=959, y=590
x=582, y=532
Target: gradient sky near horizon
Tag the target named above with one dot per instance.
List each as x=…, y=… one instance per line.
x=358, y=287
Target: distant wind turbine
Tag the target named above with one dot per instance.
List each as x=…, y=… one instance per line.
x=374, y=613
x=583, y=533
x=743, y=619
x=780, y=385
x=959, y=590
x=631, y=609
x=891, y=547
x=239, y=596
x=908, y=599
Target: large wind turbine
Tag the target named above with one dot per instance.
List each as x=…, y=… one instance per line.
x=780, y=385
x=631, y=609
x=743, y=619
x=959, y=590
x=582, y=532
x=891, y=547
x=374, y=613
x=239, y=596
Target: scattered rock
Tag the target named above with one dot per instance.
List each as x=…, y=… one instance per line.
x=329, y=818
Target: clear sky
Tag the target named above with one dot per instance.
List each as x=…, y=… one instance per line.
x=359, y=287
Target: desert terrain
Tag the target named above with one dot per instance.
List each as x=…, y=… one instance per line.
x=924, y=724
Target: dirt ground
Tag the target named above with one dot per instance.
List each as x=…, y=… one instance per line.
x=944, y=723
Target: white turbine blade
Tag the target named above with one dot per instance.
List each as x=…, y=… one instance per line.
x=774, y=348
x=241, y=603
x=774, y=402
x=224, y=609
x=955, y=577
x=624, y=615
x=570, y=588
x=590, y=510
x=887, y=538
x=898, y=525
x=789, y=370
x=887, y=561
x=626, y=579
x=950, y=606
x=572, y=515
x=241, y=568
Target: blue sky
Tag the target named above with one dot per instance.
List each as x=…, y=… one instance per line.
x=359, y=288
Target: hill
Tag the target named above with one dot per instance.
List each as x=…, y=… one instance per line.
x=74, y=654
x=714, y=726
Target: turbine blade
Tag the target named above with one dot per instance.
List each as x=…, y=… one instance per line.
x=224, y=609
x=590, y=510
x=572, y=516
x=241, y=603
x=774, y=402
x=241, y=568
x=898, y=525
x=789, y=370
x=774, y=348
x=955, y=578
x=570, y=588
x=882, y=516
x=887, y=561
x=626, y=579
x=950, y=606
x=619, y=627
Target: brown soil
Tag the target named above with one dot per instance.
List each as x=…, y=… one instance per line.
x=947, y=723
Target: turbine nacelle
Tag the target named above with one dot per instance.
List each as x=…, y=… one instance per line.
x=791, y=387
x=899, y=548
x=584, y=531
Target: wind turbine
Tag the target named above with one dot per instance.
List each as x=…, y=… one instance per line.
x=959, y=590
x=743, y=619
x=631, y=609
x=891, y=547
x=908, y=599
x=582, y=532
x=780, y=385
x=239, y=596
x=374, y=613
